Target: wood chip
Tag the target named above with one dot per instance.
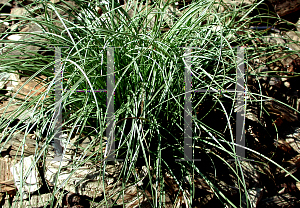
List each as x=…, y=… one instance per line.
x=6, y=178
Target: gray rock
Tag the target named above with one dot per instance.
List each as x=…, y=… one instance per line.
x=17, y=11
x=55, y=1
x=4, y=77
x=5, y=2
x=11, y=82
x=26, y=175
x=293, y=38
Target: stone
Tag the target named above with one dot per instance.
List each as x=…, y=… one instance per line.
x=274, y=38
x=14, y=37
x=55, y=1
x=298, y=185
x=6, y=2
x=17, y=11
x=13, y=82
x=293, y=38
x=4, y=77
x=26, y=171
x=287, y=84
x=8, y=81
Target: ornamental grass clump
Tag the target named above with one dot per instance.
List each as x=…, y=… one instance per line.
x=151, y=44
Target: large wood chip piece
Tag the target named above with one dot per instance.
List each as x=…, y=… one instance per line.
x=6, y=178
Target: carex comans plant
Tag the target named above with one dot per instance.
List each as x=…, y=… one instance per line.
x=149, y=44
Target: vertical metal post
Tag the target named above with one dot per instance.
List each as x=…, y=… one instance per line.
x=188, y=133
x=240, y=106
x=110, y=119
x=58, y=112
x=240, y=115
